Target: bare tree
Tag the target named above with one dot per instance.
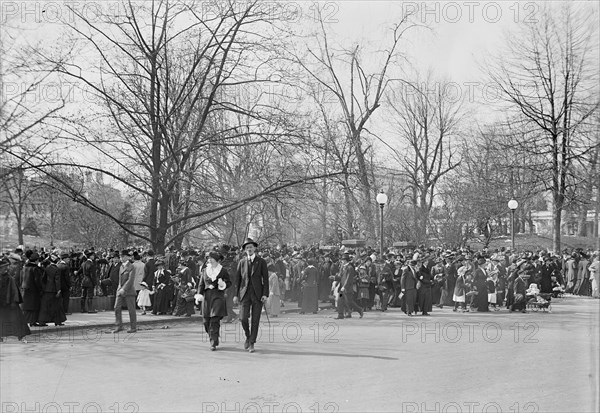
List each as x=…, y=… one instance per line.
x=549, y=76
x=164, y=75
x=358, y=93
x=427, y=118
x=26, y=112
x=17, y=191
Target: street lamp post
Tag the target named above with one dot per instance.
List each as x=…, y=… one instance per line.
x=381, y=200
x=513, y=204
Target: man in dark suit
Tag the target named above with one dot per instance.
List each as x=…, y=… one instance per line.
x=65, y=281
x=346, y=301
x=408, y=284
x=252, y=290
x=125, y=294
x=149, y=270
x=113, y=272
x=87, y=272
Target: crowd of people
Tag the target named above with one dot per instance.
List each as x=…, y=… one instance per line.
x=37, y=285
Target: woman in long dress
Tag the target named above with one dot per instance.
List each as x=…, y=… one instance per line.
x=309, y=277
x=12, y=321
x=162, y=288
x=571, y=272
x=213, y=282
x=32, y=289
x=274, y=300
x=583, y=277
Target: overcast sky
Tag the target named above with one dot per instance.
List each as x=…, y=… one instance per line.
x=455, y=35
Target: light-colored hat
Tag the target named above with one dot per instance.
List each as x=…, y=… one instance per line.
x=533, y=289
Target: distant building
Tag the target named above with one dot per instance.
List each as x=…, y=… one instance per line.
x=543, y=222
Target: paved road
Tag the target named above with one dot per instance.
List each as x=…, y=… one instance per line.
x=449, y=362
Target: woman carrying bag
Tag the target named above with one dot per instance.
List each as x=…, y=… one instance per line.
x=213, y=282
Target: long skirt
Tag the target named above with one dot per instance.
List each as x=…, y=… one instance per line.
x=309, y=301
x=183, y=307
x=161, y=301
x=12, y=322
x=274, y=305
x=584, y=288
x=52, y=310
x=425, y=299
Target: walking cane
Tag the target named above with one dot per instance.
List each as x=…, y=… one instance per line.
x=267, y=313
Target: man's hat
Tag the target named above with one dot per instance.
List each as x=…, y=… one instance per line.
x=126, y=253
x=345, y=256
x=249, y=241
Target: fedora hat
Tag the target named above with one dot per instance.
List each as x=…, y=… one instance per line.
x=249, y=241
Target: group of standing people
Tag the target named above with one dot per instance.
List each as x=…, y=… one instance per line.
x=39, y=286
x=32, y=293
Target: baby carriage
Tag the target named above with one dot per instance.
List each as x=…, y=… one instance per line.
x=538, y=301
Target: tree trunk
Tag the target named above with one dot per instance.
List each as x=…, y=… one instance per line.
x=20, y=230
x=349, y=210
x=368, y=205
x=159, y=243
x=597, y=218
x=557, y=209
x=588, y=194
x=325, y=201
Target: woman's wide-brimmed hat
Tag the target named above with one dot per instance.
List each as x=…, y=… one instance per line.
x=249, y=241
x=216, y=255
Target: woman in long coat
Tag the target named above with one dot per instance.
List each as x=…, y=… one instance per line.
x=162, y=289
x=213, y=282
x=480, y=282
x=310, y=297
x=424, y=294
x=32, y=289
x=583, y=277
x=12, y=322
x=51, y=308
